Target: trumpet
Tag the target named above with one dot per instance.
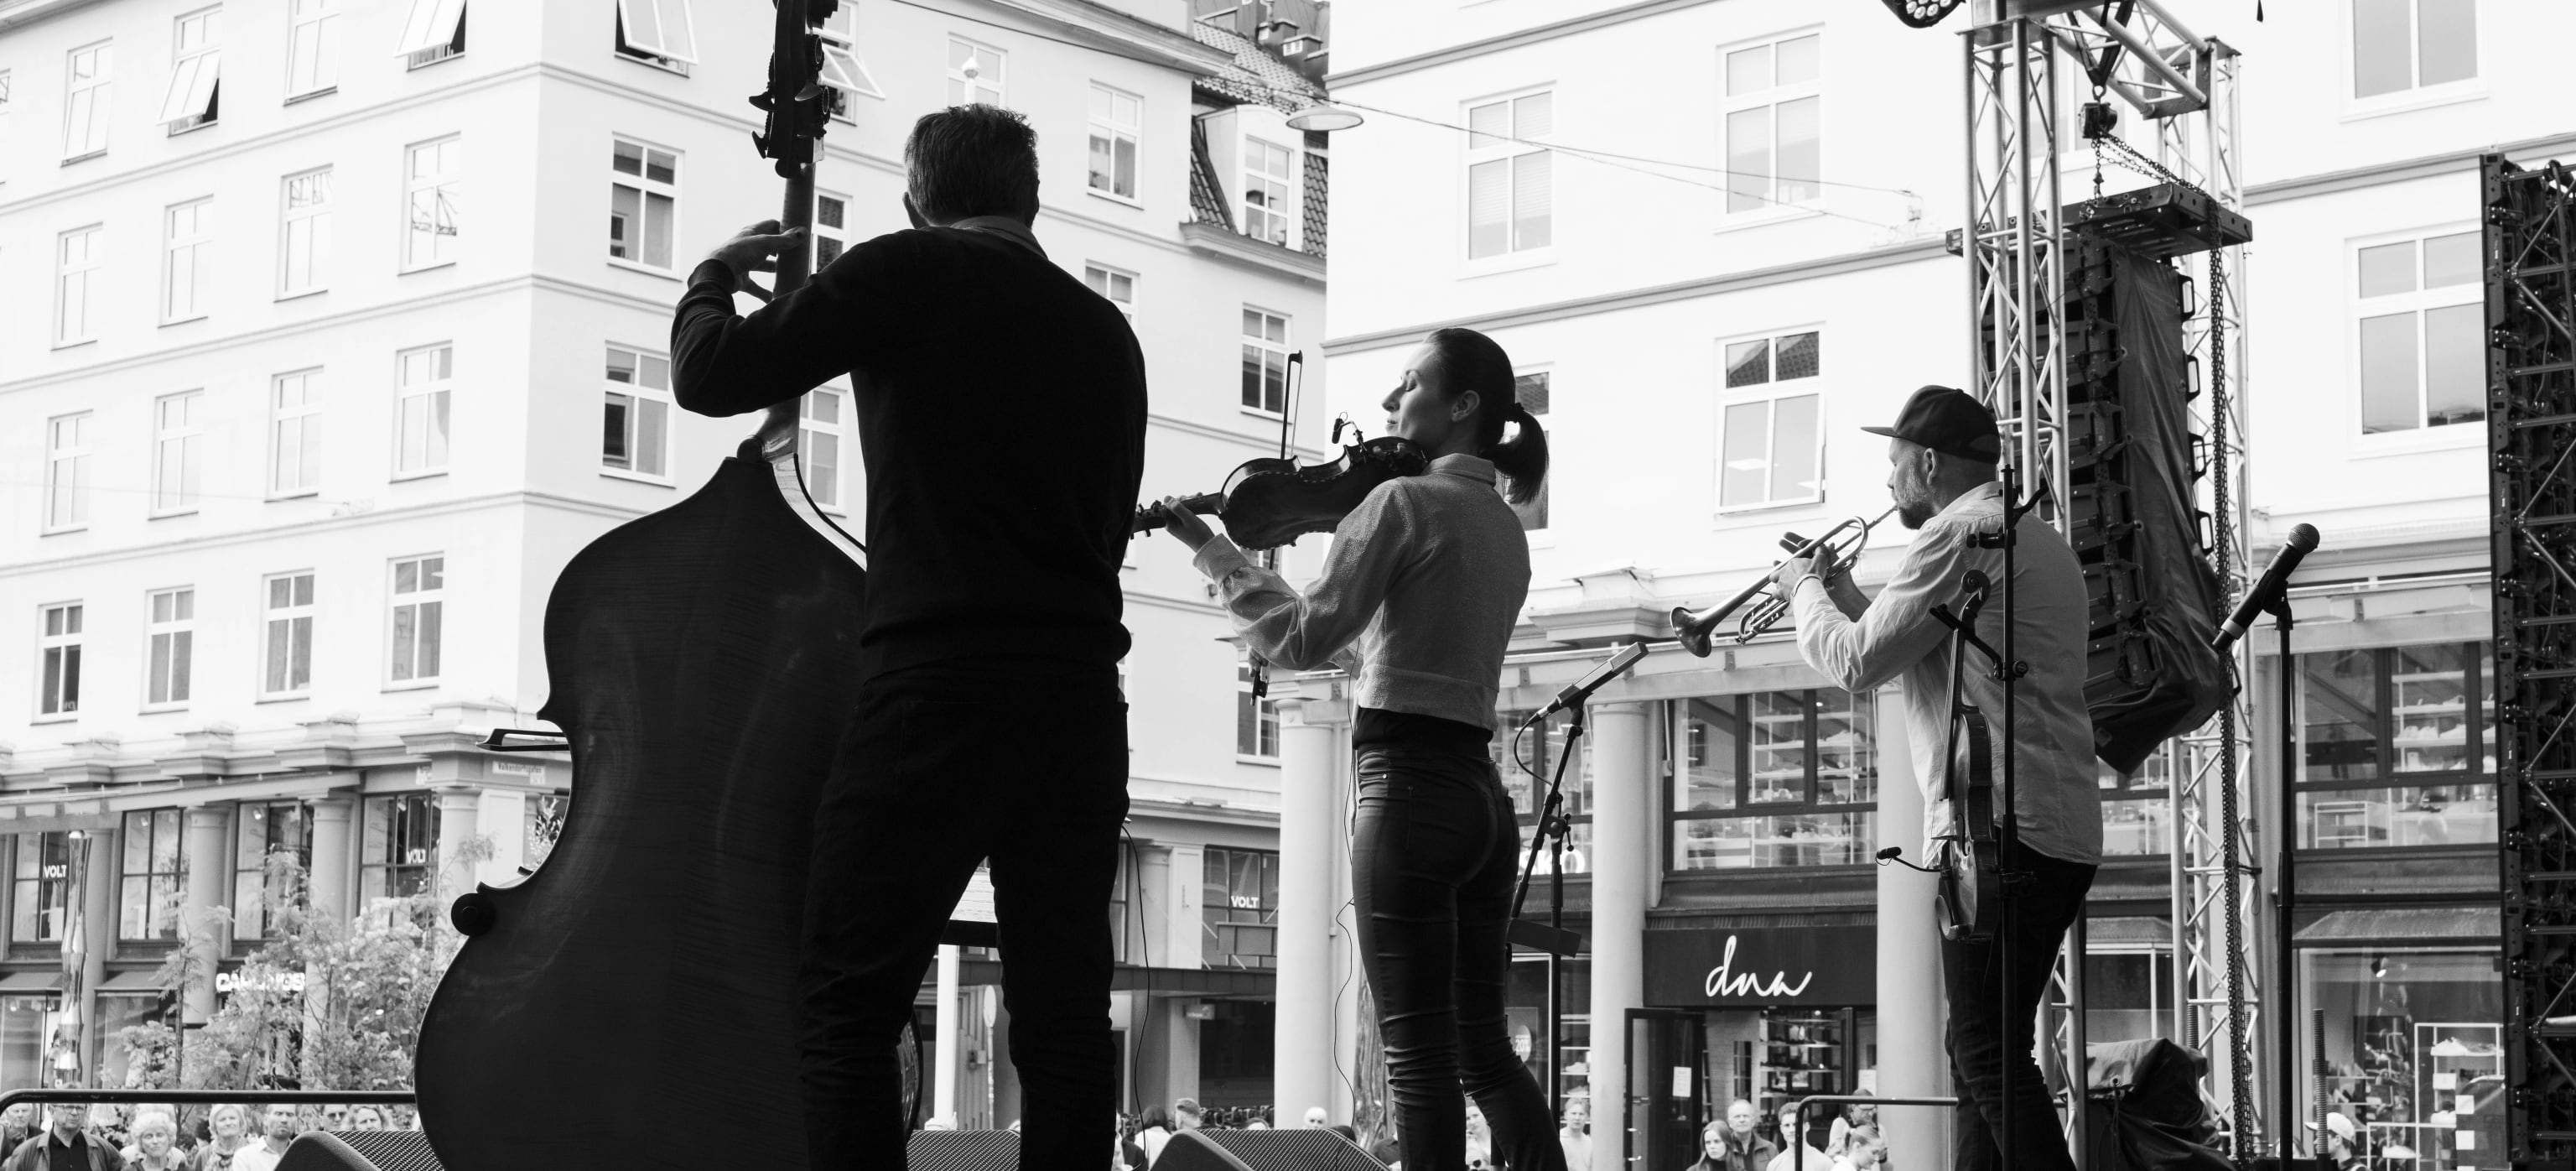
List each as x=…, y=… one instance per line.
x=1768, y=605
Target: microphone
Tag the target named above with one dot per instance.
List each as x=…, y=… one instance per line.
x=2276, y=582
x=1582, y=689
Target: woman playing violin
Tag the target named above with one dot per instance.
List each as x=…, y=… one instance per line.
x=1417, y=600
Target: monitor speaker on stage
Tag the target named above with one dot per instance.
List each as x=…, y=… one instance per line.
x=360, y=1150
x=1262, y=1150
x=968, y=1150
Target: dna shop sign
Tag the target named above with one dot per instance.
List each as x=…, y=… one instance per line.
x=1762, y=966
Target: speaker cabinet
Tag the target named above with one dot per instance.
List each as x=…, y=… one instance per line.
x=1262, y=1150
x=970, y=1150
x=360, y=1150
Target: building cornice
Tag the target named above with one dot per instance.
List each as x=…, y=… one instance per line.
x=1511, y=40
x=22, y=13
x=489, y=500
x=1098, y=26
x=2404, y=170
x=1912, y=251
x=1223, y=243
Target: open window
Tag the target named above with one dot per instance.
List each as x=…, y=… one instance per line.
x=657, y=31
x=434, y=31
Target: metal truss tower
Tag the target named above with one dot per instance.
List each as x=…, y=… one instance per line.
x=2530, y=241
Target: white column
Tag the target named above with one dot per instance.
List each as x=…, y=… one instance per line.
x=949, y=1036
x=459, y=820
x=332, y=847
x=1911, y=1061
x=1622, y=852
x=209, y=865
x=1303, y=1065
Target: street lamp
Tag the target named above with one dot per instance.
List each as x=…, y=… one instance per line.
x=1324, y=116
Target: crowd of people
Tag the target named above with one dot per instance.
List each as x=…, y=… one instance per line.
x=1848, y=1140
x=149, y=1137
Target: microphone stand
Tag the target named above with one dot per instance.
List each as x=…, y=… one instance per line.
x=2285, y=891
x=2008, y=670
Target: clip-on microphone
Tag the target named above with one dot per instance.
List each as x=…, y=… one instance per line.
x=1896, y=854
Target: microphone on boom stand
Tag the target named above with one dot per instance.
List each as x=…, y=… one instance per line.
x=1582, y=689
x=2267, y=592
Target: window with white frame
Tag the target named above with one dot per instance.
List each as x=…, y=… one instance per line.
x=431, y=173
x=2401, y=45
x=195, y=67
x=820, y=439
x=831, y=228
x=1120, y=288
x=1256, y=718
x=177, y=451
x=1774, y=123
x=974, y=73
x=286, y=643
x=170, y=637
x=154, y=875
x=187, y=233
x=77, y=256
x=303, y=233
x=312, y=47
x=423, y=380
x=267, y=829
x=844, y=72
x=1116, y=118
x=661, y=32
x=1511, y=188
x=1269, y=191
x=1531, y=391
x=67, y=471
x=433, y=31
x=58, y=651
x=2421, y=330
x=636, y=437
x=419, y=602
x=643, y=203
x=1771, y=446
x=294, y=433
x=85, y=105
x=1265, y=361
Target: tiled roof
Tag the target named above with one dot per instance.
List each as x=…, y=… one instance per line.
x=1254, y=76
x=1207, y=200
x=1313, y=205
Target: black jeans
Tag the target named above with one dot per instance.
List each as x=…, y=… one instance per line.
x=1985, y=1033
x=1432, y=866
x=938, y=771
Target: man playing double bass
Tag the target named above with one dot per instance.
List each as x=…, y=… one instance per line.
x=1001, y=412
x=1943, y=453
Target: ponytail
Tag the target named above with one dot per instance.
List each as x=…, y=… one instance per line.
x=1471, y=361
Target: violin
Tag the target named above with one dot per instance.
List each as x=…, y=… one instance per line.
x=1271, y=501
x=1969, y=857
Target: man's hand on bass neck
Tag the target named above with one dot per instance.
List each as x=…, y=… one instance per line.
x=756, y=249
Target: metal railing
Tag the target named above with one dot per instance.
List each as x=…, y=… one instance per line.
x=205, y=1097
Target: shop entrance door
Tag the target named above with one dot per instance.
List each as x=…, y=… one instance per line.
x=1667, y=1061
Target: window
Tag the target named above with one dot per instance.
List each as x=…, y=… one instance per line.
x=196, y=60
x=294, y=434
x=642, y=202
x=155, y=875
x=2128, y=993
x=658, y=31
x=425, y=377
x=433, y=32
x=287, y=642
x=1774, y=117
x=844, y=71
x=1538, y=749
x=1510, y=189
x=1773, y=779
x=85, y=105
x=312, y=48
x=267, y=829
x=831, y=228
x=2398, y=45
x=400, y=852
x=58, y=649
x=77, y=255
x=175, y=452
x=2137, y=817
x=1116, y=116
x=637, y=436
x=170, y=637
x=818, y=442
x=1771, y=448
x=1531, y=390
x=2422, y=333
x=1269, y=186
x=2395, y=747
x=304, y=235
x=974, y=73
x=1256, y=718
x=67, y=472
x=1118, y=287
x=430, y=195
x=420, y=590
x=186, y=231
x=2413, y=1036
x=1239, y=907
x=41, y=888
x=1265, y=362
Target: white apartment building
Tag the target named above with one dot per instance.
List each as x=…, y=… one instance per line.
x=313, y=379
x=1711, y=236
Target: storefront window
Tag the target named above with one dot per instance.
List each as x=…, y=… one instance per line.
x=121, y=1011
x=1240, y=909
x=2413, y=1051
x=154, y=878
x=1536, y=752
x=1525, y=1006
x=2394, y=748
x=401, y=857
x=1773, y=779
x=40, y=888
x=2128, y=995
x=2137, y=816
x=276, y=827
x=27, y=1023
x=1237, y=1043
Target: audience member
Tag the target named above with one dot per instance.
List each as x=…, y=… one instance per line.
x=1316, y=1118
x=227, y=1128
x=1155, y=1131
x=1796, y=1152
x=156, y=1145
x=365, y=1117
x=277, y=1131
x=1733, y=1145
x=1864, y=1149
x=1576, y=1135
x=65, y=1143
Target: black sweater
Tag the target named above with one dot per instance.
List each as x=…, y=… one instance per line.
x=1001, y=413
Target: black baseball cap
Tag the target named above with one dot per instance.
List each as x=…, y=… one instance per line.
x=1949, y=421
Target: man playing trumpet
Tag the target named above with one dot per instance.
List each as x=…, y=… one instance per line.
x=1942, y=453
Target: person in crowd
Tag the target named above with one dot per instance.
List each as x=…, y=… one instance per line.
x=1187, y=1115
x=1316, y=1118
x=1575, y=1137
x=1734, y=1145
x=365, y=1117
x=1156, y=1129
x=2343, y=1142
x=17, y=1124
x=1862, y=1149
x=227, y=1127
x=335, y=1116
x=156, y=1143
x=1797, y=1152
x=1854, y=1114
x=277, y=1130
x=1480, y=1139
x=1127, y=1144
x=64, y=1145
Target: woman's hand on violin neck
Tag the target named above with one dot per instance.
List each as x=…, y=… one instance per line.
x=1179, y=521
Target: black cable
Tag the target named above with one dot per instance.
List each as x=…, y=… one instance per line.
x=796, y=456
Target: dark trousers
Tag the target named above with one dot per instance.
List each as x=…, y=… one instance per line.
x=944, y=766
x=1986, y=1033
x=1432, y=866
